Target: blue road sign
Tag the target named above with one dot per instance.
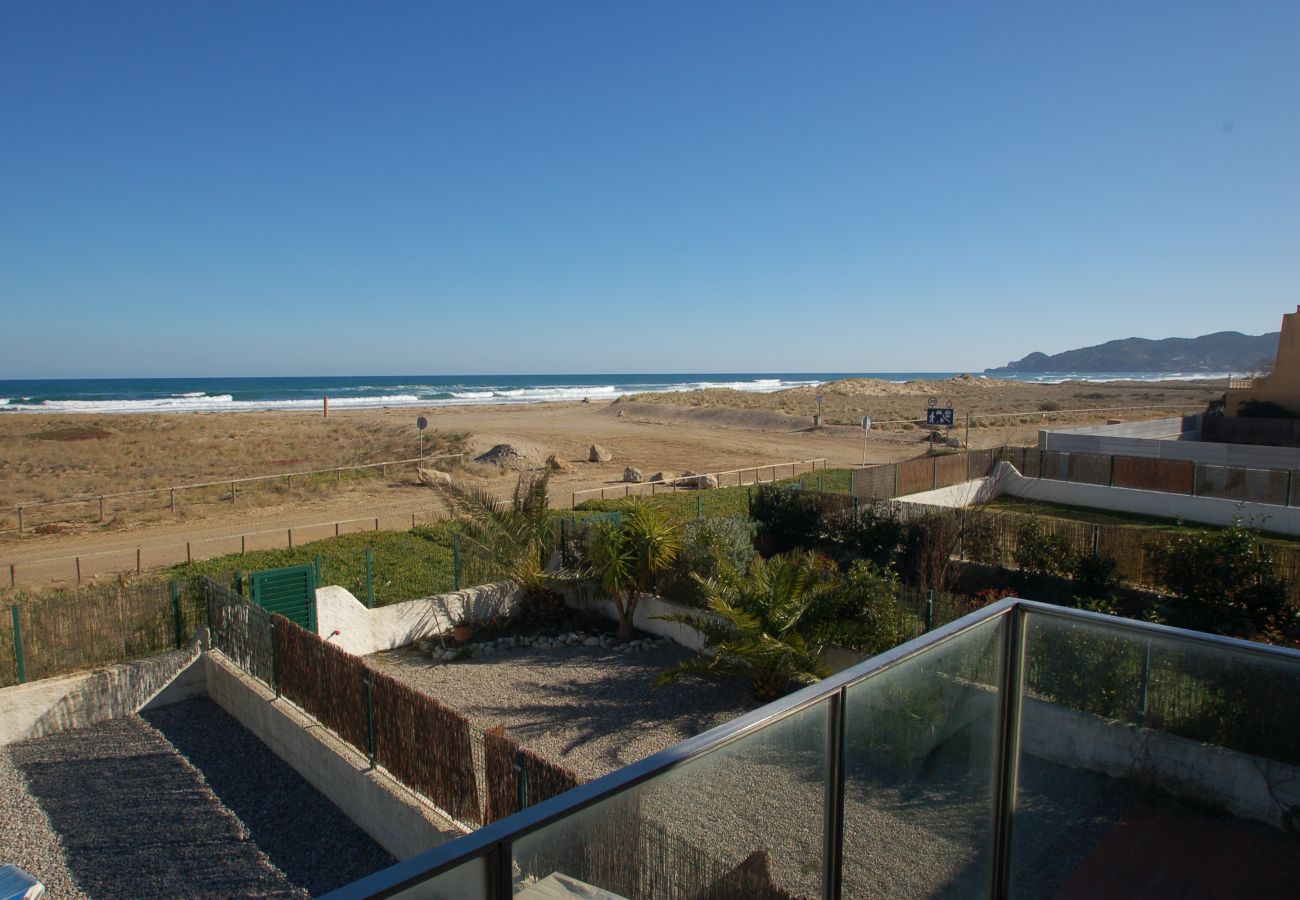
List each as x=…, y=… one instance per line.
x=938, y=417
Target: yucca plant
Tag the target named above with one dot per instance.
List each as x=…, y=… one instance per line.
x=769, y=624
x=626, y=556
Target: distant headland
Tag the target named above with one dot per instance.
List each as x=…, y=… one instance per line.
x=1223, y=351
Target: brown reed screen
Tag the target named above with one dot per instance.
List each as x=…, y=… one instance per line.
x=426, y=746
x=1173, y=476
x=505, y=762
x=874, y=483
x=915, y=475
x=325, y=681
x=950, y=470
x=241, y=631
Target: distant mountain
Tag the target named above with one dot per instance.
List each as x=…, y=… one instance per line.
x=1223, y=351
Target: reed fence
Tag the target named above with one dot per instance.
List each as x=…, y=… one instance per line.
x=65, y=631
x=472, y=776
x=1173, y=476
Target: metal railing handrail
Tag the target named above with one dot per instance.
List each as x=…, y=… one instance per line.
x=498, y=837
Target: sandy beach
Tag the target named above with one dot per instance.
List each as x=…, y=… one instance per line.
x=48, y=457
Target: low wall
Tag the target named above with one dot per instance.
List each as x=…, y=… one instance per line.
x=1205, y=510
x=87, y=698
x=363, y=631
x=398, y=821
x=1243, y=785
x=968, y=493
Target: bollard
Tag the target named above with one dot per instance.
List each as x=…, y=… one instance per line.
x=336, y=529
x=290, y=538
x=376, y=523
x=77, y=562
x=18, y=643
x=189, y=557
x=12, y=578
x=137, y=560
x=243, y=544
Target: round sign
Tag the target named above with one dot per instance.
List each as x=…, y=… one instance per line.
x=950, y=404
x=866, y=423
x=934, y=401
x=422, y=423
x=820, y=398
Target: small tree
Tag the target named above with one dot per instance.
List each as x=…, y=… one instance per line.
x=627, y=556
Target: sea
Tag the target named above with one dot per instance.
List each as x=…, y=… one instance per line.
x=179, y=395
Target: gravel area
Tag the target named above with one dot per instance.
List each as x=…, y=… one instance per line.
x=590, y=709
x=135, y=817
x=27, y=840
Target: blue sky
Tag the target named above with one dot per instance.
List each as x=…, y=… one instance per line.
x=329, y=188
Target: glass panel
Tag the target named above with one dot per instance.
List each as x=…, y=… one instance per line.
x=1155, y=764
x=736, y=822
x=468, y=881
x=918, y=792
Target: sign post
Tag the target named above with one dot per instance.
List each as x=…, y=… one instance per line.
x=421, y=423
x=866, y=426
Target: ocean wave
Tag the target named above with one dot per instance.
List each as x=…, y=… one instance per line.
x=756, y=386
x=1106, y=377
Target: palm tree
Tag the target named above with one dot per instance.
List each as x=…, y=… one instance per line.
x=509, y=537
x=626, y=556
x=769, y=624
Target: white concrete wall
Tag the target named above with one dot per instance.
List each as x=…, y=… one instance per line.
x=980, y=490
x=1205, y=510
x=397, y=819
x=648, y=609
x=1246, y=786
x=363, y=631
x=87, y=698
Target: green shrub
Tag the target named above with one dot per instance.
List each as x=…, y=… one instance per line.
x=708, y=545
x=873, y=533
x=787, y=519
x=1223, y=581
x=1040, y=552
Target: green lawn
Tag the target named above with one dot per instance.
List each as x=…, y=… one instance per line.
x=406, y=564
x=1091, y=516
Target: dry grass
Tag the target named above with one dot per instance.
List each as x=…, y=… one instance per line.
x=49, y=457
x=1013, y=402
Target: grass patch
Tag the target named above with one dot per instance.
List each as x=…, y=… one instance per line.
x=685, y=505
x=73, y=433
x=407, y=565
x=1089, y=516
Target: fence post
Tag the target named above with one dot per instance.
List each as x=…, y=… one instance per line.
x=1111, y=480
x=77, y=563
x=1289, y=484
x=929, y=610
x=290, y=538
x=20, y=520
x=189, y=557
x=18, y=643
x=699, y=506
x=275, y=667
x=1196, y=469
x=521, y=780
x=455, y=557
x=173, y=500
x=895, y=494
x=749, y=501
x=239, y=582
x=370, y=716
x=370, y=583
x=232, y=493
x=176, y=610
x=12, y=577
x=137, y=560
x=101, y=509
x=1096, y=540
x=934, y=473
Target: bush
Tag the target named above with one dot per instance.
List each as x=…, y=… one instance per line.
x=1223, y=581
x=873, y=533
x=1049, y=406
x=1095, y=577
x=787, y=519
x=929, y=544
x=1039, y=552
x=708, y=546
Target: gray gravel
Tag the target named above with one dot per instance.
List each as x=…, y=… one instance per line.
x=136, y=818
x=590, y=709
x=26, y=838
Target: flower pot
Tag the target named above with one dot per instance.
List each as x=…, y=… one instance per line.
x=462, y=633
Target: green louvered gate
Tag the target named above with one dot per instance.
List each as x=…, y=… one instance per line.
x=290, y=591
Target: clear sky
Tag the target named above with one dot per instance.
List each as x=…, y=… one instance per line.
x=204, y=188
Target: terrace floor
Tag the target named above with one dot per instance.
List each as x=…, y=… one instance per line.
x=181, y=802
x=589, y=709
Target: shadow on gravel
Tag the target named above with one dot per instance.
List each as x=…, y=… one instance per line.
x=300, y=831
x=135, y=821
